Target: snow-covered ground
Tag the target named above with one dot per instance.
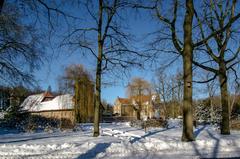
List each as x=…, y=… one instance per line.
x=119, y=140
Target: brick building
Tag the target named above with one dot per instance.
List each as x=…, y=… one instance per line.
x=150, y=105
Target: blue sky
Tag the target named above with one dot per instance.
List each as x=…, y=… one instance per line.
x=140, y=25
x=49, y=73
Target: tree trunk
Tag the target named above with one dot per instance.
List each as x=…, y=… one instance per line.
x=77, y=101
x=81, y=101
x=87, y=100
x=225, y=128
x=82, y=95
x=138, y=114
x=91, y=102
x=165, y=116
x=98, y=72
x=139, y=104
x=98, y=96
x=1, y=5
x=211, y=109
x=187, y=134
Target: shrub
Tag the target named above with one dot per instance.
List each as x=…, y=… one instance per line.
x=32, y=123
x=156, y=123
x=66, y=124
x=14, y=116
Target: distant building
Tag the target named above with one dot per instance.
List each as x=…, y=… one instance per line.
x=47, y=105
x=150, y=105
x=123, y=107
x=59, y=107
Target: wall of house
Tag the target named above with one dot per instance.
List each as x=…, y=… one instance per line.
x=147, y=111
x=127, y=110
x=57, y=114
x=117, y=108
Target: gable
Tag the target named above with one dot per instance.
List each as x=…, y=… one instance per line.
x=124, y=100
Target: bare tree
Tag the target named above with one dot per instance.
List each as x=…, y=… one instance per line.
x=1, y=5
x=107, y=34
x=223, y=58
x=176, y=93
x=170, y=89
x=78, y=81
x=139, y=87
x=161, y=86
x=20, y=46
x=187, y=73
x=211, y=88
x=185, y=49
x=234, y=96
x=71, y=74
x=182, y=47
x=22, y=29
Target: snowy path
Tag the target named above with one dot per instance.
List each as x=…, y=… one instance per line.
x=118, y=141
x=209, y=143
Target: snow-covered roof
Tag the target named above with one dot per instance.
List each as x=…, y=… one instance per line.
x=36, y=103
x=31, y=101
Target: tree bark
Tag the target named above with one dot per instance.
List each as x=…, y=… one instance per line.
x=187, y=134
x=98, y=72
x=225, y=128
x=211, y=107
x=140, y=104
x=82, y=94
x=1, y=5
x=77, y=101
x=138, y=114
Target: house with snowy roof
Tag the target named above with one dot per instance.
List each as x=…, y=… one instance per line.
x=128, y=107
x=47, y=105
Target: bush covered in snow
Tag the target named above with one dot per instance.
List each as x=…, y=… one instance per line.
x=137, y=123
x=32, y=123
x=205, y=113
x=13, y=116
x=236, y=111
x=36, y=123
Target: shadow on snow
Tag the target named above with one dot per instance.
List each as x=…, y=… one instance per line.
x=92, y=153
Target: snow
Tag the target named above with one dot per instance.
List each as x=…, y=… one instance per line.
x=174, y=123
x=119, y=140
x=59, y=102
x=2, y=115
x=34, y=103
